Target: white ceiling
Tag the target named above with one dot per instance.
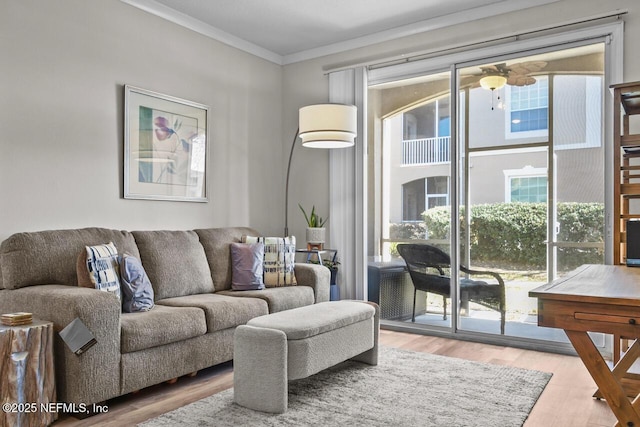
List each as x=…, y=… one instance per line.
x=287, y=31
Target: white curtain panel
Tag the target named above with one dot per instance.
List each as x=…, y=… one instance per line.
x=347, y=184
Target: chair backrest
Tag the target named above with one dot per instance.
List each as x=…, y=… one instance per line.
x=427, y=265
x=423, y=257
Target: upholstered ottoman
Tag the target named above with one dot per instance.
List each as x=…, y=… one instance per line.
x=270, y=350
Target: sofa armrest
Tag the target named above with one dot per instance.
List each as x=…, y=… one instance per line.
x=93, y=376
x=317, y=276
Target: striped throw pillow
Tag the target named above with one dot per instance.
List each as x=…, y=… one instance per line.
x=102, y=264
x=279, y=259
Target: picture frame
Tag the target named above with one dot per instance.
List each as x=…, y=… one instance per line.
x=166, y=147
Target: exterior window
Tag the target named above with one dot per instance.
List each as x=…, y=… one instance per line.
x=528, y=109
x=527, y=120
x=527, y=185
x=437, y=191
x=426, y=134
x=413, y=200
x=529, y=189
x=422, y=194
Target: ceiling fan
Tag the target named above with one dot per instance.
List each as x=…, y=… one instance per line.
x=495, y=76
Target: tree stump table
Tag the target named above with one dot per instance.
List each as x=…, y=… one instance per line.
x=27, y=380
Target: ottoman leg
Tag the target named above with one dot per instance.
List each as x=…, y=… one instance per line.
x=371, y=356
x=260, y=369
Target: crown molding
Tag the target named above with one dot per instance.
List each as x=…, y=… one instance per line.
x=494, y=9
x=207, y=30
x=416, y=28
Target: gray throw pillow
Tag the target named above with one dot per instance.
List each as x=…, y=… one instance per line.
x=246, y=263
x=137, y=292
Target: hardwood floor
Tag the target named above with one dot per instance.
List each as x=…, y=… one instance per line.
x=565, y=402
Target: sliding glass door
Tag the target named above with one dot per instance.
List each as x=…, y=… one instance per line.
x=511, y=172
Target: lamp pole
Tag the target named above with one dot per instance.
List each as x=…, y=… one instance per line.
x=286, y=187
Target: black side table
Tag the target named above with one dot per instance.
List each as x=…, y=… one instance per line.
x=390, y=286
x=315, y=256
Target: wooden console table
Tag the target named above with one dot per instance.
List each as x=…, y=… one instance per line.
x=27, y=381
x=599, y=298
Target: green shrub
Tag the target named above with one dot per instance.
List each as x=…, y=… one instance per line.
x=580, y=222
x=407, y=230
x=514, y=234
x=437, y=222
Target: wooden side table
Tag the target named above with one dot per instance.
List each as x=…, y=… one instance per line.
x=27, y=379
x=599, y=298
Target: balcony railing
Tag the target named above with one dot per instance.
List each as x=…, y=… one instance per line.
x=425, y=151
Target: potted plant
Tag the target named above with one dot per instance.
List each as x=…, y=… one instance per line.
x=315, y=227
x=332, y=265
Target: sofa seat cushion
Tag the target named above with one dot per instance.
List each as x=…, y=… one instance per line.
x=159, y=326
x=221, y=311
x=279, y=299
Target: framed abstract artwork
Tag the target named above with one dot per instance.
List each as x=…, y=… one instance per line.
x=166, y=147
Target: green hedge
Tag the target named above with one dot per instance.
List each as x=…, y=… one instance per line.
x=408, y=230
x=513, y=234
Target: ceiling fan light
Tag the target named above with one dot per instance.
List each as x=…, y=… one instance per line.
x=493, y=82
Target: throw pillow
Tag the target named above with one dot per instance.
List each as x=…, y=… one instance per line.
x=137, y=292
x=246, y=262
x=97, y=268
x=279, y=259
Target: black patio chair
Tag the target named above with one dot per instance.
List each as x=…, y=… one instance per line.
x=427, y=265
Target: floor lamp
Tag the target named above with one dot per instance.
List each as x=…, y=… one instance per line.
x=321, y=126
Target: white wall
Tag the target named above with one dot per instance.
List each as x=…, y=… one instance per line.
x=62, y=71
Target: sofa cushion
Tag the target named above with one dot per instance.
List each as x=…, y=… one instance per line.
x=175, y=263
x=221, y=311
x=160, y=326
x=247, y=260
x=216, y=244
x=279, y=299
x=49, y=257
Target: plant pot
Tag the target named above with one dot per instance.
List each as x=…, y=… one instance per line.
x=334, y=276
x=316, y=235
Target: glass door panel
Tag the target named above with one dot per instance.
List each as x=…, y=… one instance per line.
x=579, y=176
x=525, y=214
x=412, y=133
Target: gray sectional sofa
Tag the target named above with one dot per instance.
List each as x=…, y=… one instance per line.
x=190, y=328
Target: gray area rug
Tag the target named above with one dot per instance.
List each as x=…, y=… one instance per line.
x=405, y=389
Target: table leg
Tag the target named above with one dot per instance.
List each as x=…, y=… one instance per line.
x=622, y=366
x=609, y=386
